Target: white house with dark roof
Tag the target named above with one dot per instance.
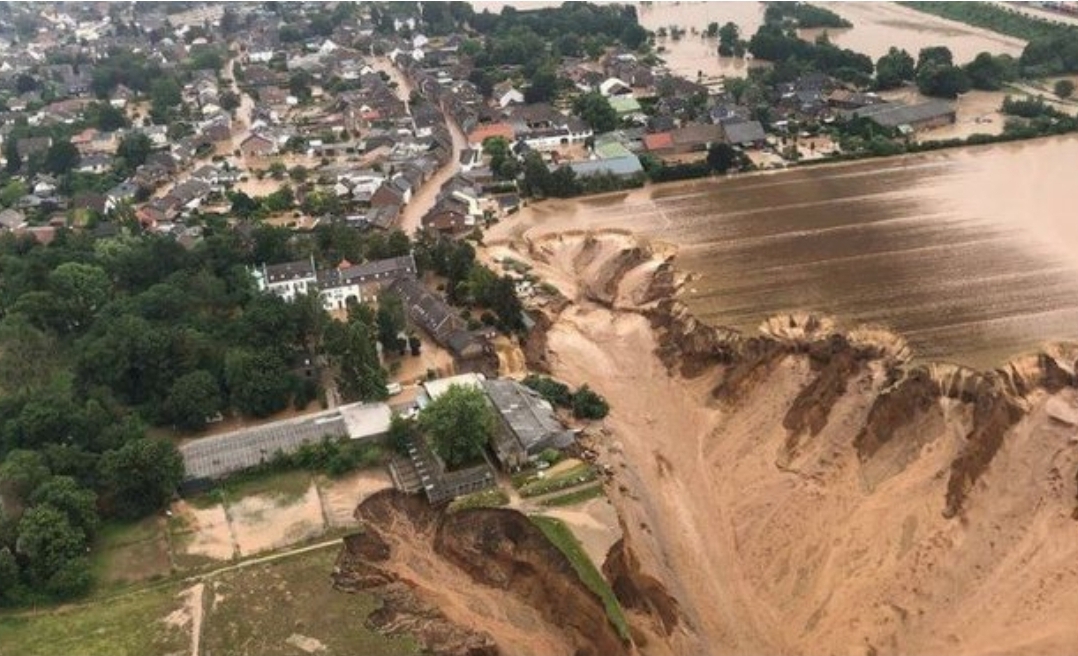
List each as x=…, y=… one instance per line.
x=287, y=280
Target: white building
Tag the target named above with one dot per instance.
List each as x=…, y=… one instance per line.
x=287, y=280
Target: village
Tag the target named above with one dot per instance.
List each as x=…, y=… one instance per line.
x=277, y=219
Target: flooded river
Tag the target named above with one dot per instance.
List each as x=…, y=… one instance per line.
x=971, y=254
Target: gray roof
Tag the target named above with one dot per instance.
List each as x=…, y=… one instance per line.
x=289, y=271
x=12, y=219
x=743, y=132
x=391, y=267
x=426, y=309
x=892, y=115
x=620, y=166
x=529, y=417
x=220, y=455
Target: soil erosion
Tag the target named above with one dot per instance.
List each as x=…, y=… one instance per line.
x=802, y=490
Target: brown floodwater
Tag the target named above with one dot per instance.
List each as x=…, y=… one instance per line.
x=971, y=254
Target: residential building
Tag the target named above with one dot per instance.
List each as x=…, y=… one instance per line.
x=527, y=423
x=287, y=280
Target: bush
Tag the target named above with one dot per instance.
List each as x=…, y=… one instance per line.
x=589, y=405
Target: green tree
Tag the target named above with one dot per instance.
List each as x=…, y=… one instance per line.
x=543, y=87
x=459, y=424
x=721, y=157
x=54, y=551
x=9, y=576
x=934, y=56
x=589, y=405
x=988, y=72
x=1064, y=88
x=401, y=433
x=729, y=39
x=942, y=81
x=134, y=148
x=61, y=157
x=27, y=355
x=12, y=192
x=596, y=111
x=166, y=96
x=258, y=382
x=141, y=476
x=194, y=398
x=76, y=502
x=105, y=117
x=82, y=290
x=21, y=473
x=13, y=160
x=537, y=177
x=360, y=375
x=894, y=68
x=391, y=321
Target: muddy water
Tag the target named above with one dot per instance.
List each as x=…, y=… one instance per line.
x=971, y=254
x=876, y=27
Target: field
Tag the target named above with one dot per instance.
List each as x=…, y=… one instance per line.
x=286, y=606
x=129, y=625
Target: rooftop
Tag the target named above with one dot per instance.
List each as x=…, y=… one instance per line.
x=892, y=115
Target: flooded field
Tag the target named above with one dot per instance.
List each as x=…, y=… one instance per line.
x=971, y=254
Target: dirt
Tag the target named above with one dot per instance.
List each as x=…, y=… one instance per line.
x=265, y=522
x=809, y=489
x=472, y=582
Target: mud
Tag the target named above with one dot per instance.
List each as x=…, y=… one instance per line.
x=474, y=582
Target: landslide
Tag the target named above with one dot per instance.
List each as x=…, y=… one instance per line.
x=474, y=582
x=809, y=489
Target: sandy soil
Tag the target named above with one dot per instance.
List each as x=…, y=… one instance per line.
x=190, y=615
x=413, y=369
x=263, y=522
x=465, y=602
x=341, y=496
x=594, y=523
x=817, y=554
x=207, y=529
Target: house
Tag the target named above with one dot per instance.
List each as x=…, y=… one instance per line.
x=506, y=94
x=363, y=282
x=94, y=163
x=527, y=423
x=695, y=137
x=257, y=145
x=908, y=118
x=32, y=145
x=627, y=107
x=287, y=280
x=470, y=158
x=447, y=221
x=121, y=193
x=612, y=86
x=387, y=195
x=846, y=99
x=428, y=311
x=739, y=132
x=12, y=219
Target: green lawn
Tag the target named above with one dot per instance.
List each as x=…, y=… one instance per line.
x=262, y=606
x=126, y=553
x=572, y=477
x=492, y=498
x=562, y=537
x=289, y=485
x=574, y=497
x=129, y=625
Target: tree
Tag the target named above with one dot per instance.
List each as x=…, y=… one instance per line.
x=459, y=424
x=50, y=545
x=12, y=192
x=894, y=68
x=729, y=39
x=76, y=502
x=258, y=382
x=299, y=84
x=21, y=474
x=391, y=320
x=988, y=72
x=537, y=177
x=13, y=160
x=134, y=148
x=596, y=111
x=721, y=157
x=82, y=290
x=194, y=398
x=942, y=81
x=360, y=376
x=543, y=87
x=165, y=97
x=141, y=476
x=934, y=56
x=589, y=405
x=1064, y=88
x=402, y=431
x=61, y=157
x=556, y=393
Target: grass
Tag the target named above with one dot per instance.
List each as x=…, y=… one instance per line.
x=572, y=477
x=576, y=496
x=129, y=625
x=992, y=17
x=562, y=537
x=286, y=486
x=492, y=498
x=260, y=607
x=126, y=553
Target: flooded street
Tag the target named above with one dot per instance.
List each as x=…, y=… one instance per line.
x=971, y=254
